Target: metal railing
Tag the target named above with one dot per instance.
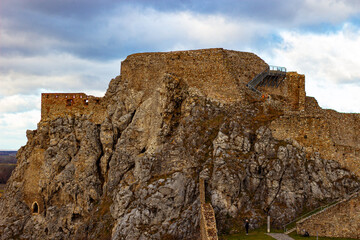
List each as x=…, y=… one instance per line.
x=258, y=78
x=277, y=68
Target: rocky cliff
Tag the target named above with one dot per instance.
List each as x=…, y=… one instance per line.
x=127, y=166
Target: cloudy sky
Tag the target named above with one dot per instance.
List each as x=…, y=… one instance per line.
x=77, y=45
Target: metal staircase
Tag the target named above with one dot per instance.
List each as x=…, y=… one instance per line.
x=271, y=76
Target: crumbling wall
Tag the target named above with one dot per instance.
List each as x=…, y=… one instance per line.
x=208, y=228
x=296, y=90
x=32, y=192
x=215, y=73
x=291, y=89
x=54, y=105
x=334, y=135
x=208, y=223
x=342, y=220
x=138, y=169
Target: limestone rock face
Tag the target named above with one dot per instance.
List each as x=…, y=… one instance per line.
x=169, y=118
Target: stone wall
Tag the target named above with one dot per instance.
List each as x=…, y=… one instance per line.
x=215, y=73
x=32, y=192
x=291, y=89
x=296, y=90
x=138, y=169
x=341, y=220
x=54, y=105
x=334, y=135
x=208, y=228
x=208, y=223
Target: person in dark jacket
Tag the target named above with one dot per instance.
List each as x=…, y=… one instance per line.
x=247, y=226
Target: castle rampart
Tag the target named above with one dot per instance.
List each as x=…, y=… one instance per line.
x=222, y=75
x=334, y=135
x=292, y=89
x=169, y=129
x=54, y=105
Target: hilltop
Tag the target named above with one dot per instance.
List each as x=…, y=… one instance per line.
x=130, y=165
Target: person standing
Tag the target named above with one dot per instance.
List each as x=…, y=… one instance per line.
x=247, y=226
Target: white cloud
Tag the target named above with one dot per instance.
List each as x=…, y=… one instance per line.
x=318, y=11
x=55, y=72
x=182, y=30
x=343, y=98
x=19, y=103
x=13, y=128
x=329, y=61
x=27, y=40
x=330, y=57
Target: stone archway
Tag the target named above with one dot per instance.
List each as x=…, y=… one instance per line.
x=35, y=208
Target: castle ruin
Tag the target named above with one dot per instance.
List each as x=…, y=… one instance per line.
x=129, y=162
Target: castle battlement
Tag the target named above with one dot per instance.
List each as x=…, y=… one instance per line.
x=54, y=105
x=215, y=73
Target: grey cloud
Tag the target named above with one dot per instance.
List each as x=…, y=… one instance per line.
x=82, y=27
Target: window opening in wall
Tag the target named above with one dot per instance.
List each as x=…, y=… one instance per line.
x=56, y=96
x=73, y=96
x=66, y=96
x=69, y=102
x=97, y=101
x=47, y=96
x=35, y=207
x=86, y=102
x=80, y=96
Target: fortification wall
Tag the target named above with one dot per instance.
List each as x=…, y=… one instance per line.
x=334, y=135
x=208, y=228
x=296, y=90
x=215, y=73
x=291, y=89
x=54, y=105
x=32, y=194
x=222, y=75
x=342, y=220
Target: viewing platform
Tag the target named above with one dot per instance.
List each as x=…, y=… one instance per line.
x=271, y=76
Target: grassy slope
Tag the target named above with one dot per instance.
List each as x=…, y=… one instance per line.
x=253, y=234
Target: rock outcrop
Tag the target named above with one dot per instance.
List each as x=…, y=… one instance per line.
x=129, y=167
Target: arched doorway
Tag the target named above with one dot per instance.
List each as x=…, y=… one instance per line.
x=35, y=208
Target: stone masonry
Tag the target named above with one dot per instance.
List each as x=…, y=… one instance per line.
x=334, y=135
x=208, y=229
x=127, y=165
x=341, y=220
x=292, y=90
x=54, y=105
